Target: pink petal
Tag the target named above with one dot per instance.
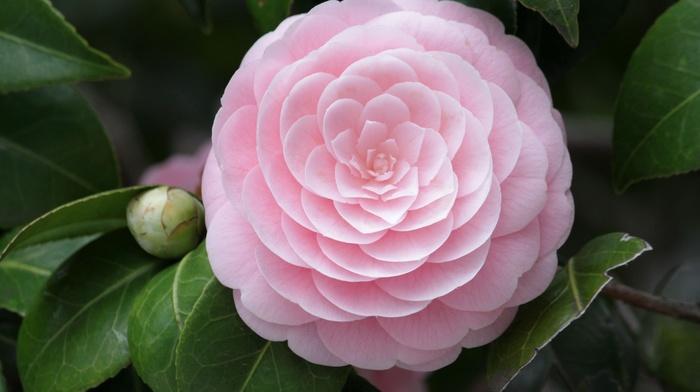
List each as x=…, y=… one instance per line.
x=506, y=137
x=312, y=31
x=385, y=109
x=473, y=161
x=421, y=102
x=365, y=298
x=231, y=243
x=362, y=10
x=433, y=280
x=509, y=257
x=444, y=183
x=360, y=219
x=378, y=38
x=265, y=216
x=431, y=72
x=427, y=215
x=305, y=244
x=474, y=233
x=474, y=91
x=391, y=211
x=385, y=70
x=466, y=207
x=296, y=285
x=372, y=135
x=365, y=344
x=409, y=138
x=491, y=332
x=412, y=245
x=524, y=192
x=352, y=258
x=235, y=151
x=303, y=99
x=213, y=195
x=260, y=299
x=350, y=186
x=436, y=327
x=341, y=116
x=303, y=339
x=453, y=123
x=533, y=282
x=319, y=174
x=287, y=191
x=557, y=216
x=433, y=154
x=302, y=139
x=325, y=218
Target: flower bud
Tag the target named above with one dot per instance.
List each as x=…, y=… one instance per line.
x=166, y=222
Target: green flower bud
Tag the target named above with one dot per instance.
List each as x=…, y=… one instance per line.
x=167, y=222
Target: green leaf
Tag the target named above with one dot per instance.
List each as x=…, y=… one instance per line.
x=159, y=314
x=74, y=334
x=566, y=298
x=218, y=352
x=267, y=14
x=596, y=352
x=656, y=130
x=562, y=14
x=670, y=346
x=94, y=214
x=199, y=11
x=38, y=47
x=24, y=272
x=502, y=9
x=53, y=149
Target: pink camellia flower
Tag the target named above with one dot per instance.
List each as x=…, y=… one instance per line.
x=388, y=182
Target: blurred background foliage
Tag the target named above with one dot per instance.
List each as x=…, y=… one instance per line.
x=179, y=72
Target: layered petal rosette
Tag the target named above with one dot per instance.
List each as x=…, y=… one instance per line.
x=388, y=182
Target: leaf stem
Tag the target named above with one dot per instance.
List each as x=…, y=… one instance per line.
x=670, y=307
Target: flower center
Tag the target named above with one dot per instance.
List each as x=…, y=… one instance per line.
x=380, y=165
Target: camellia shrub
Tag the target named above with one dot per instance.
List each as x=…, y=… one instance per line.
x=381, y=197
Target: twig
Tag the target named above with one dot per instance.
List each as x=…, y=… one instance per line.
x=642, y=299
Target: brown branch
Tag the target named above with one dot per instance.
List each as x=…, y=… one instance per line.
x=654, y=303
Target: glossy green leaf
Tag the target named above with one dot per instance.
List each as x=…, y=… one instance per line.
x=38, y=47
x=74, y=334
x=596, y=352
x=267, y=14
x=91, y=215
x=502, y=9
x=53, y=149
x=670, y=346
x=218, y=352
x=657, y=118
x=24, y=272
x=562, y=14
x=199, y=11
x=159, y=314
x=567, y=297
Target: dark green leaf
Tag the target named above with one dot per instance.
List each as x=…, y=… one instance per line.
x=53, y=149
x=596, y=353
x=38, y=47
x=74, y=334
x=670, y=346
x=218, y=352
x=658, y=108
x=23, y=272
x=567, y=297
x=91, y=215
x=267, y=14
x=502, y=9
x=562, y=14
x=199, y=11
x=158, y=316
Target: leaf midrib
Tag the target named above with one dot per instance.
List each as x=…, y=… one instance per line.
x=118, y=284
x=59, y=54
x=47, y=163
